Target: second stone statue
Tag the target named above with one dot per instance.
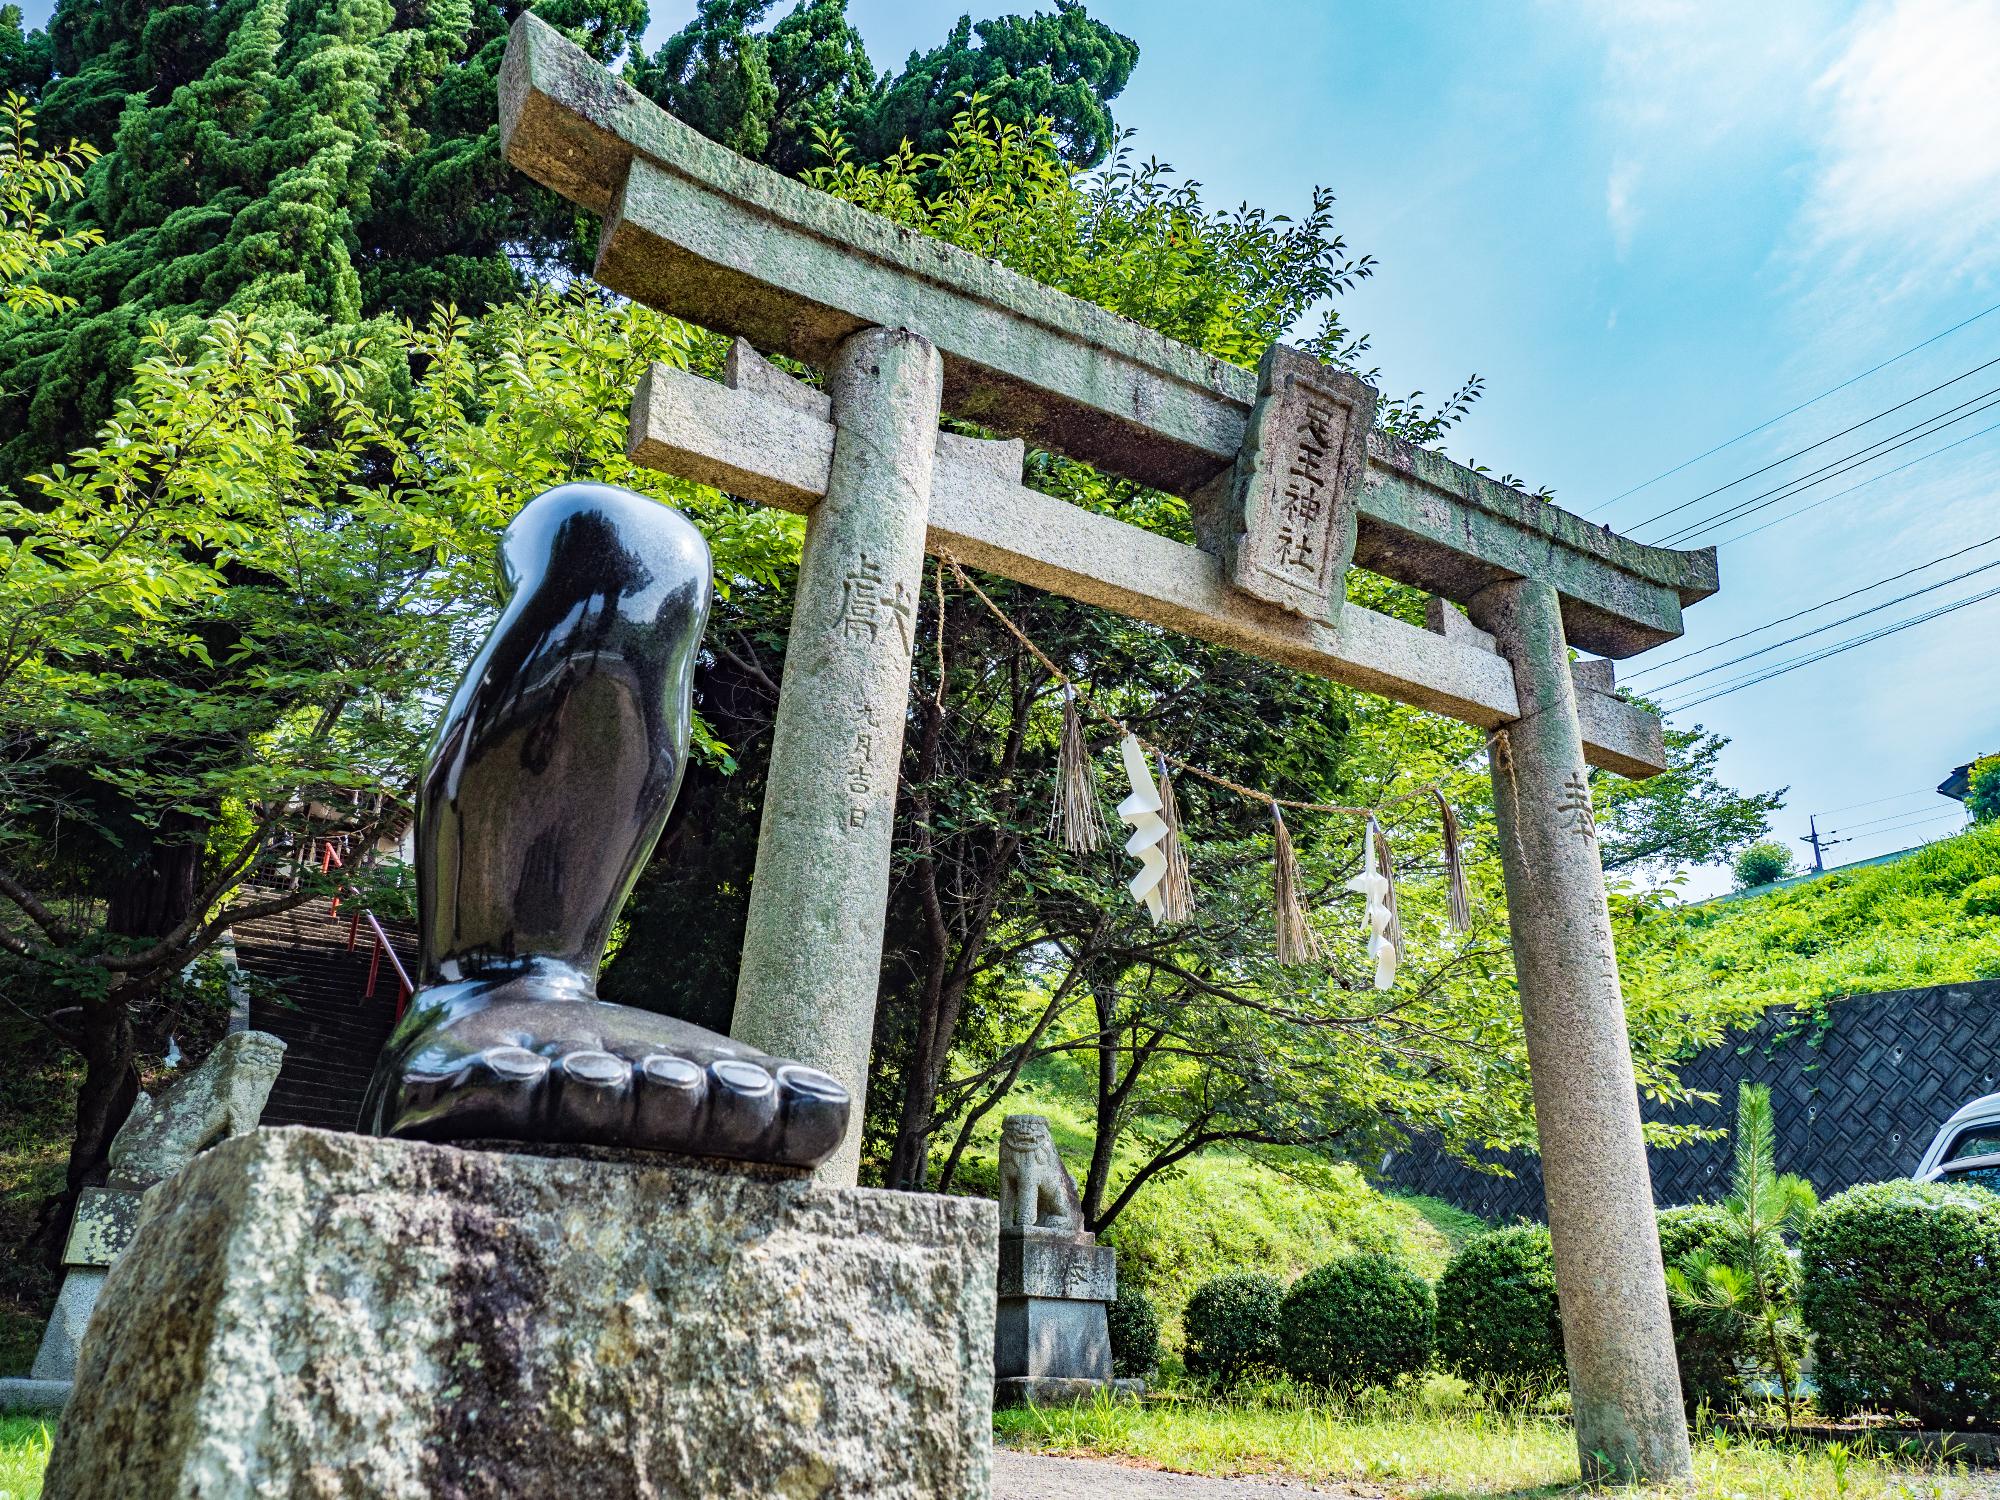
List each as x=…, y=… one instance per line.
x=547, y=786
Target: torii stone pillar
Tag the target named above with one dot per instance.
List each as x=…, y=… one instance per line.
x=1617, y=1338
x=812, y=944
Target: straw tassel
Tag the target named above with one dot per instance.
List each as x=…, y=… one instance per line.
x=1388, y=863
x=1077, y=818
x=1458, y=901
x=1177, y=889
x=1297, y=942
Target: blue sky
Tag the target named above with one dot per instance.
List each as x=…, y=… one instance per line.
x=1650, y=226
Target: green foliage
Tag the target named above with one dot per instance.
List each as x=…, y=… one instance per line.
x=1135, y=1334
x=1708, y=1351
x=1497, y=1319
x=1741, y=1289
x=771, y=95
x=24, y=1453
x=1903, y=1303
x=1763, y=862
x=1063, y=67
x=1982, y=796
x=1885, y=927
x=1232, y=1324
x=1364, y=1320
x=33, y=185
x=1219, y=1212
x=1982, y=898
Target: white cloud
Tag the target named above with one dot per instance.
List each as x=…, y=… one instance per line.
x=1620, y=211
x=1906, y=185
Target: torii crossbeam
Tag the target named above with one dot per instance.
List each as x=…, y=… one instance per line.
x=1288, y=485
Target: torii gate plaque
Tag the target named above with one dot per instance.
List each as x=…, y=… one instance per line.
x=1288, y=486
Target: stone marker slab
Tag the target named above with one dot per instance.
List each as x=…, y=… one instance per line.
x=102, y=1226
x=1294, y=500
x=309, y=1314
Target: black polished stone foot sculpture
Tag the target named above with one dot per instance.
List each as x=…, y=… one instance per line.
x=547, y=787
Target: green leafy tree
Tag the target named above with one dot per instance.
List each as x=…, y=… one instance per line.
x=239, y=608
x=1982, y=793
x=1064, y=68
x=1763, y=862
x=1683, y=816
x=33, y=186
x=1745, y=1283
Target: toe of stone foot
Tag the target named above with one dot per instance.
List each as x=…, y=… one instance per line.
x=749, y=1110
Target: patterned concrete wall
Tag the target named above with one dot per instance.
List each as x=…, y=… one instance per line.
x=1857, y=1104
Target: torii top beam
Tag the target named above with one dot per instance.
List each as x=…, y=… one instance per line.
x=698, y=231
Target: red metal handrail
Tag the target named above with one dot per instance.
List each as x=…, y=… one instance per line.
x=330, y=859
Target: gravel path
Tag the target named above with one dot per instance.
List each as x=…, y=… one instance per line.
x=1034, y=1476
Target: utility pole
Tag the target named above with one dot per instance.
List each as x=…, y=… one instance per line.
x=1818, y=844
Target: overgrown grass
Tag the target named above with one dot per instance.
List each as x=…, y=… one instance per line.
x=24, y=1453
x=1895, y=926
x=1437, y=1441
x=1222, y=1211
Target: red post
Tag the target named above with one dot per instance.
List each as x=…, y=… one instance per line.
x=353, y=927
x=374, y=965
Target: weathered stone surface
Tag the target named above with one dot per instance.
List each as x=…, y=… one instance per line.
x=1051, y=1263
x=222, y=1098
x=1051, y=1336
x=773, y=452
x=812, y=939
x=1036, y=1190
x=695, y=229
x=1289, y=533
x=1624, y=1384
x=36, y=1398
x=307, y=1314
x=68, y=1321
x=102, y=1226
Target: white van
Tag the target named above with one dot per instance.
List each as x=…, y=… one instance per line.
x=1967, y=1148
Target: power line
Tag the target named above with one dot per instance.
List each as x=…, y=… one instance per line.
x=1846, y=464
x=1903, y=828
x=1875, y=801
x=1826, y=499
x=1823, y=604
x=1918, y=812
x=1833, y=650
x=1752, y=432
x=1802, y=452
x=1806, y=635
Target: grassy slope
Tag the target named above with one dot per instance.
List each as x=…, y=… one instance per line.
x=1225, y=1212
x=1892, y=927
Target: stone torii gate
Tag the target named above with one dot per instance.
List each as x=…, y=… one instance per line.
x=1288, y=485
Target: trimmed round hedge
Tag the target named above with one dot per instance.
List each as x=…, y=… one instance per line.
x=1707, y=1357
x=1902, y=1295
x=1232, y=1326
x=1363, y=1320
x=1135, y=1334
x=1497, y=1321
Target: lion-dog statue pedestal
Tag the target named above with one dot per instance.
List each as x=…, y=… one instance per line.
x=1051, y=1339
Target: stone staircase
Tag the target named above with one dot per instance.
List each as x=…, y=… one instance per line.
x=330, y=1029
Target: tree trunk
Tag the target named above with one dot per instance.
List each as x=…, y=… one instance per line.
x=103, y=1102
x=1110, y=1098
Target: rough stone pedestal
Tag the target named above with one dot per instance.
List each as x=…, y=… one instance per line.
x=307, y=1314
x=1051, y=1338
